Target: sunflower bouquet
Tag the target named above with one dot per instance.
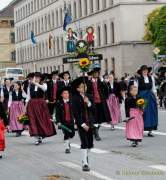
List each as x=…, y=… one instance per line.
x=84, y=64
x=23, y=119
x=141, y=103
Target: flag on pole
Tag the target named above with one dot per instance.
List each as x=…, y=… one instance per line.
x=33, y=38
x=67, y=20
x=50, y=41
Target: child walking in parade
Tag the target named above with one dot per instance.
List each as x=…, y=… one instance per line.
x=3, y=124
x=16, y=108
x=83, y=109
x=113, y=100
x=40, y=120
x=134, y=114
x=52, y=92
x=64, y=117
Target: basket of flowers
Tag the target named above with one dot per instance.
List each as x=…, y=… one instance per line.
x=23, y=119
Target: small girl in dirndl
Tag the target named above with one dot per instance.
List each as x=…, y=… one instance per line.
x=16, y=108
x=134, y=114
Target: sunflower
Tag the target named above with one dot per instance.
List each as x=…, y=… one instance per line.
x=140, y=102
x=84, y=62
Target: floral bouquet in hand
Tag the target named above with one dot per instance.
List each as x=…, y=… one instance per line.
x=23, y=119
x=84, y=64
x=141, y=103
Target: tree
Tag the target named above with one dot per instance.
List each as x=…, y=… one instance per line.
x=155, y=28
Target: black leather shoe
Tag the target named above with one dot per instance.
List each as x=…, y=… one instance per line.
x=67, y=151
x=133, y=144
x=150, y=135
x=86, y=168
x=0, y=156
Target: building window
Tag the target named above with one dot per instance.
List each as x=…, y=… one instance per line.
x=106, y=66
x=75, y=10
x=111, y=2
x=49, y=21
x=98, y=5
x=86, y=7
x=57, y=18
x=112, y=33
x=98, y=36
x=113, y=64
x=13, y=55
x=12, y=23
x=104, y=4
x=50, y=69
x=105, y=34
x=53, y=19
x=12, y=37
x=61, y=16
x=91, y=6
x=80, y=8
x=62, y=46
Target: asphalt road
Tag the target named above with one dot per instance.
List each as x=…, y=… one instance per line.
x=112, y=159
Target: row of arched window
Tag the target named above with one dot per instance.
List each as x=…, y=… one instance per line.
x=30, y=7
x=54, y=18
x=78, y=6
x=105, y=35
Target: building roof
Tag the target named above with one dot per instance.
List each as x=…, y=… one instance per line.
x=8, y=11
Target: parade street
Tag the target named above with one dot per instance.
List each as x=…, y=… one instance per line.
x=112, y=158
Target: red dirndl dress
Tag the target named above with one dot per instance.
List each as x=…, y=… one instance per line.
x=40, y=123
x=2, y=135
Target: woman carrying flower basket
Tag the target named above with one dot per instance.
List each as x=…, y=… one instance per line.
x=16, y=108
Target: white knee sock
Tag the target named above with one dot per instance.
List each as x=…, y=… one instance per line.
x=84, y=153
x=67, y=144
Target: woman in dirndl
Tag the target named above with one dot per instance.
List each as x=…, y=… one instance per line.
x=16, y=108
x=113, y=100
x=40, y=121
x=147, y=90
x=3, y=123
x=134, y=114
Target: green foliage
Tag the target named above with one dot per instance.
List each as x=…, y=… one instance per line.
x=155, y=30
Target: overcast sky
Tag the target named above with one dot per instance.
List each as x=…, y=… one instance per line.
x=4, y=3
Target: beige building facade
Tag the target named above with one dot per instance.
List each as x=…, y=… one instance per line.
x=118, y=24
x=7, y=47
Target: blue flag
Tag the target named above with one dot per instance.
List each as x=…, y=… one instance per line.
x=67, y=20
x=33, y=37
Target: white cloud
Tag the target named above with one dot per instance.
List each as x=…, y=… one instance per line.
x=4, y=3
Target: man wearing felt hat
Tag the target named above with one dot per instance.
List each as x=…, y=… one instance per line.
x=99, y=91
x=65, y=80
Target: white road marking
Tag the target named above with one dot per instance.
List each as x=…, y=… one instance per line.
x=160, y=167
x=91, y=173
x=123, y=128
x=94, y=150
